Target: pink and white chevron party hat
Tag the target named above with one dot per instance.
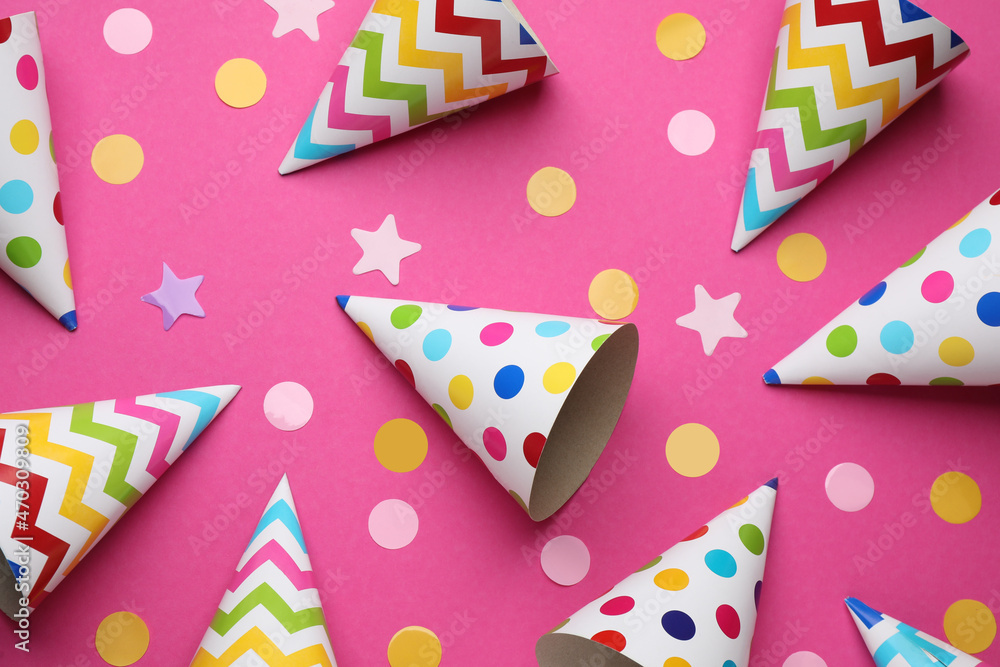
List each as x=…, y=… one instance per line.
x=842, y=71
x=536, y=397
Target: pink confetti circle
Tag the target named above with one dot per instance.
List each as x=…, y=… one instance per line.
x=565, y=560
x=850, y=487
x=393, y=524
x=288, y=406
x=691, y=132
x=128, y=31
x=804, y=659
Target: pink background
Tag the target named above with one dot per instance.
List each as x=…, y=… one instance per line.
x=474, y=557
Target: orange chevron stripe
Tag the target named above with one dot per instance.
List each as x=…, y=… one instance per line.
x=449, y=63
x=255, y=640
x=835, y=57
x=80, y=464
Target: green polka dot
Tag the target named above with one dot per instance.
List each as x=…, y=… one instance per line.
x=946, y=382
x=442, y=413
x=52, y=147
x=752, y=538
x=24, y=251
x=516, y=497
x=842, y=341
x=652, y=563
x=597, y=342
x=914, y=258
x=405, y=316
x=559, y=627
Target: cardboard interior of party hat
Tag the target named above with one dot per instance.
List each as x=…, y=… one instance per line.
x=585, y=422
x=562, y=650
x=9, y=597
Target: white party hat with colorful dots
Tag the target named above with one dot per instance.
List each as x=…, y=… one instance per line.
x=694, y=605
x=933, y=321
x=897, y=644
x=535, y=396
x=32, y=238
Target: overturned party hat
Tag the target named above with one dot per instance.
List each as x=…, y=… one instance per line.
x=694, y=605
x=535, y=396
x=68, y=474
x=842, y=71
x=271, y=613
x=32, y=238
x=933, y=321
x=895, y=644
x=412, y=62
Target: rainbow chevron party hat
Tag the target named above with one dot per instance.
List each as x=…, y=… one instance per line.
x=842, y=71
x=413, y=62
x=67, y=475
x=271, y=613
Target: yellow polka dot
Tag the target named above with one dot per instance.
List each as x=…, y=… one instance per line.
x=802, y=257
x=692, y=450
x=117, y=159
x=815, y=379
x=742, y=501
x=400, y=445
x=680, y=36
x=513, y=494
x=551, y=191
x=961, y=220
x=970, y=626
x=613, y=294
x=956, y=351
x=122, y=639
x=24, y=137
x=460, y=391
x=956, y=498
x=240, y=83
x=66, y=276
x=368, y=331
x=414, y=646
x=676, y=662
x=672, y=579
x=559, y=377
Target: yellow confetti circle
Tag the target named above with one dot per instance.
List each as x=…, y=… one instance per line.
x=240, y=83
x=692, y=450
x=802, y=257
x=24, y=137
x=613, y=294
x=400, y=445
x=956, y=498
x=122, y=639
x=680, y=36
x=559, y=377
x=551, y=191
x=117, y=159
x=414, y=645
x=970, y=626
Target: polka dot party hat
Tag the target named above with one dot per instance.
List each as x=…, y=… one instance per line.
x=412, y=63
x=32, y=239
x=841, y=73
x=694, y=606
x=271, y=612
x=933, y=321
x=536, y=397
x=896, y=644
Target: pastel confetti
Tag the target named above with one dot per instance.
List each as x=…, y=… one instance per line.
x=713, y=319
x=551, y=192
x=565, y=560
x=613, y=294
x=840, y=75
x=692, y=450
x=802, y=257
x=128, y=31
x=117, y=159
x=901, y=332
x=471, y=364
x=288, y=406
x=698, y=601
x=414, y=645
x=850, y=487
x=956, y=497
x=691, y=132
x=122, y=639
x=240, y=83
x=400, y=445
x=33, y=248
x=175, y=297
x=393, y=524
x=804, y=659
x=383, y=250
x=970, y=626
x=76, y=446
x=680, y=36
x=299, y=15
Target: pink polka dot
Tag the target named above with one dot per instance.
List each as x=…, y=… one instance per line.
x=496, y=333
x=938, y=287
x=27, y=72
x=496, y=445
x=622, y=604
x=728, y=620
x=804, y=659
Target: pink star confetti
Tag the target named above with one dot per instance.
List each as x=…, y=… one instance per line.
x=175, y=297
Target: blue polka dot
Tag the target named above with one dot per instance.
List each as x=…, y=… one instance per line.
x=436, y=344
x=771, y=377
x=678, y=625
x=729, y=663
x=988, y=309
x=721, y=563
x=897, y=337
x=16, y=196
x=552, y=329
x=508, y=381
x=873, y=295
x=975, y=243
x=461, y=309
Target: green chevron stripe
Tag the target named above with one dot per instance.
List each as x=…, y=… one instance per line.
x=804, y=99
x=82, y=423
x=415, y=96
x=266, y=597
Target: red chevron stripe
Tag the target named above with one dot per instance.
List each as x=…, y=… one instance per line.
x=167, y=423
x=339, y=118
x=488, y=31
x=921, y=49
